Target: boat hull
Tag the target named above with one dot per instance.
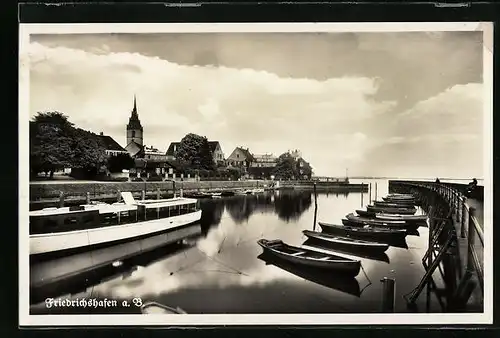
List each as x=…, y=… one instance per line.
x=62, y=241
x=391, y=210
x=347, y=267
x=347, y=242
x=372, y=232
x=375, y=221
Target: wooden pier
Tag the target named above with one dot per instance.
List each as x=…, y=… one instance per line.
x=456, y=243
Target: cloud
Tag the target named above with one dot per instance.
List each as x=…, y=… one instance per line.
x=257, y=109
x=440, y=136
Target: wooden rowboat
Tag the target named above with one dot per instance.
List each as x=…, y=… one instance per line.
x=392, y=210
x=157, y=308
x=407, y=218
x=375, y=221
x=346, y=241
x=310, y=258
x=394, y=204
x=365, y=231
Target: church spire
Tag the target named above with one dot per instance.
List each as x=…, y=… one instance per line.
x=134, y=122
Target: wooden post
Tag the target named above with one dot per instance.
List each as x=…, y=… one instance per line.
x=87, y=197
x=431, y=232
x=158, y=194
x=315, y=206
x=464, y=217
x=375, y=198
x=362, y=195
x=470, y=239
x=370, y=192
x=173, y=188
x=143, y=195
x=388, y=294
x=61, y=199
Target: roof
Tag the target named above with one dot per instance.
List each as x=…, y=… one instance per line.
x=170, y=150
x=246, y=153
x=110, y=144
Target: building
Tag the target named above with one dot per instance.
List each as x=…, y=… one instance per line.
x=304, y=169
x=240, y=158
x=262, y=166
x=215, y=148
x=153, y=154
x=112, y=147
x=135, y=135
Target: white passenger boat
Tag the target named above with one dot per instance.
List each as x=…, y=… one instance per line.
x=60, y=230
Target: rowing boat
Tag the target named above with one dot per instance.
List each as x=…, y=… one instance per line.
x=309, y=257
x=394, y=204
x=375, y=221
x=365, y=231
x=346, y=241
x=392, y=210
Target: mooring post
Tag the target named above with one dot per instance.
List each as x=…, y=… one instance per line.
x=375, y=198
x=370, y=192
x=87, y=197
x=61, y=199
x=431, y=232
x=388, y=294
x=143, y=195
x=464, y=217
x=158, y=193
x=362, y=194
x=470, y=239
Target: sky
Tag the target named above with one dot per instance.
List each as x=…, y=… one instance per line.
x=399, y=104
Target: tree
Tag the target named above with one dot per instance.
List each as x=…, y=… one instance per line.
x=286, y=168
x=116, y=164
x=50, y=143
x=55, y=144
x=194, y=151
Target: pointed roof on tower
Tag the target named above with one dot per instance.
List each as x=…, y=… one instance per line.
x=133, y=121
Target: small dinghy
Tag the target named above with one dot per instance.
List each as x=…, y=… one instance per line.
x=407, y=218
x=365, y=231
x=394, y=204
x=366, y=213
x=157, y=308
x=358, y=220
x=310, y=258
x=346, y=241
x=392, y=210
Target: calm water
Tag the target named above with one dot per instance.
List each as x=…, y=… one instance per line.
x=224, y=271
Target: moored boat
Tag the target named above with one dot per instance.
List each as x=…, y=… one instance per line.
x=59, y=230
x=394, y=204
x=353, y=220
x=392, y=210
x=365, y=231
x=157, y=308
x=407, y=218
x=309, y=257
x=346, y=241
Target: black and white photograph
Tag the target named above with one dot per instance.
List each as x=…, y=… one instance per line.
x=251, y=174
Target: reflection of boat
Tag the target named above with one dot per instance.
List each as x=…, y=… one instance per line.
x=346, y=241
x=227, y=193
x=392, y=210
x=360, y=221
x=310, y=258
x=353, y=251
x=254, y=191
x=87, y=226
x=217, y=195
x=157, y=308
x=366, y=231
x=342, y=283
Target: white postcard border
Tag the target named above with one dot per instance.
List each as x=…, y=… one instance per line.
x=25, y=319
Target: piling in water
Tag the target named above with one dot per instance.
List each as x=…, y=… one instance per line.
x=388, y=294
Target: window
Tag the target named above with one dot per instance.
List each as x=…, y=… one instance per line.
x=133, y=133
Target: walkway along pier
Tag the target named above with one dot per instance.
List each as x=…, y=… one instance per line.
x=456, y=243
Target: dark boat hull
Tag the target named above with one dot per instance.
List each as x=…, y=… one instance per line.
x=351, y=218
x=376, y=255
x=387, y=210
x=341, y=265
x=394, y=204
x=346, y=241
x=371, y=232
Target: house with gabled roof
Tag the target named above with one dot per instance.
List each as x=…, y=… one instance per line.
x=215, y=148
x=240, y=158
x=112, y=147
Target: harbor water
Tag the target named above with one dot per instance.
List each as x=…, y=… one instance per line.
x=224, y=271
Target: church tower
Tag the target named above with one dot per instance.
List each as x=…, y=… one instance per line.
x=134, y=127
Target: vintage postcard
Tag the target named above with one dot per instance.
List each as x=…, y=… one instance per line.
x=250, y=174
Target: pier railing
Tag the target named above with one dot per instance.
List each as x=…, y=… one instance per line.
x=463, y=215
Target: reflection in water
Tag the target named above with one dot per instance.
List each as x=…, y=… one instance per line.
x=221, y=272
x=328, y=279
x=346, y=250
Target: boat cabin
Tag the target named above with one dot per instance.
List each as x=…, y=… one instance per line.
x=84, y=217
